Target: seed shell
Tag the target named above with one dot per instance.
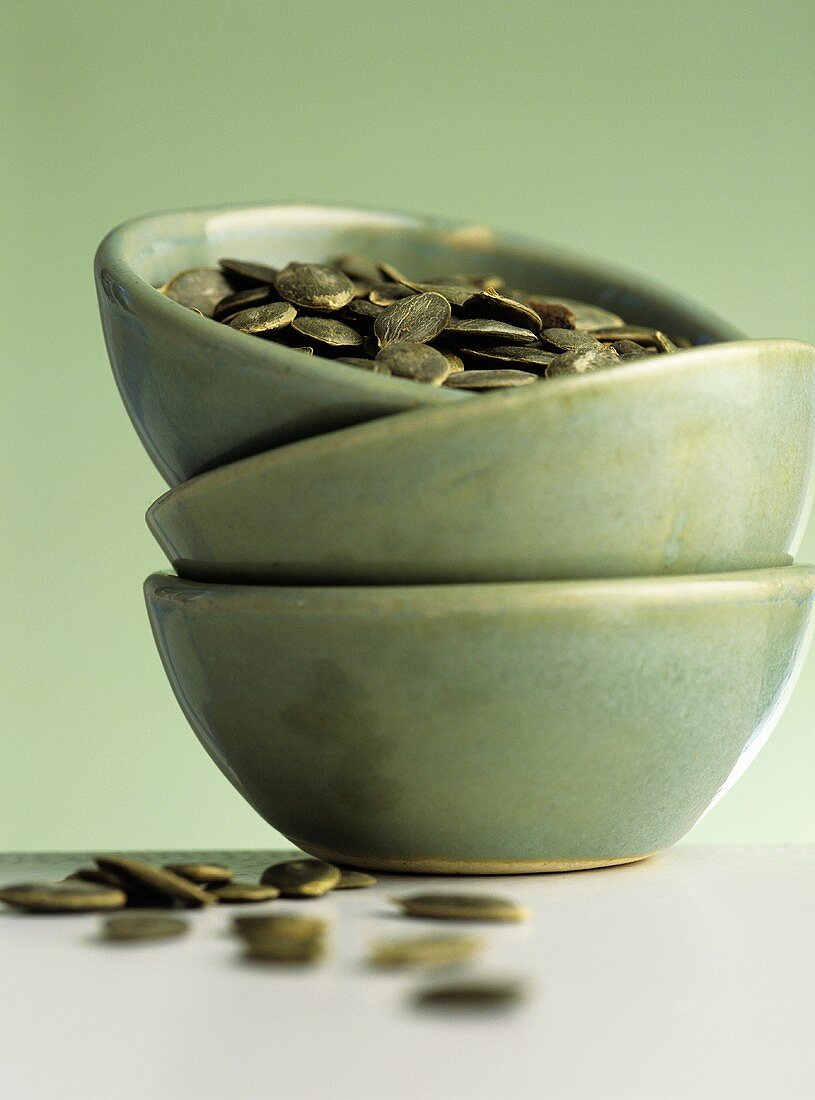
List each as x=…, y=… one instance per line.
x=165, y=887
x=248, y=273
x=354, y=880
x=132, y=928
x=582, y=361
x=365, y=364
x=419, y=318
x=568, y=339
x=471, y=993
x=418, y=362
x=489, y=379
x=260, y=320
x=482, y=329
x=302, y=878
x=200, y=288
x=387, y=294
x=425, y=951
x=460, y=906
x=63, y=897
x=326, y=330
x=203, y=874
x=522, y=354
x=239, y=893
x=488, y=303
x=243, y=299
x=314, y=286
x=285, y=949
x=628, y=349
x=279, y=927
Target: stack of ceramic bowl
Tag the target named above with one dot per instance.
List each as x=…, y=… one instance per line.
x=530, y=631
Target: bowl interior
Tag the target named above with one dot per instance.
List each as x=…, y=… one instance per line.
x=156, y=247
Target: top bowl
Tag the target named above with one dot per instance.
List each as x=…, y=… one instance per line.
x=201, y=395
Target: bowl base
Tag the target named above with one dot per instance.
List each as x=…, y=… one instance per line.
x=435, y=865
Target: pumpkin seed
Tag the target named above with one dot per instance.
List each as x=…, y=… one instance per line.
x=488, y=303
x=203, y=874
x=326, y=330
x=63, y=897
x=485, y=329
x=420, y=318
x=568, y=339
x=243, y=299
x=285, y=949
x=386, y=294
x=200, y=288
x=237, y=893
x=366, y=364
x=407, y=359
x=362, y=307
x=302, y=878
x=354, y=880
x=461, y=906
x=314, y=286
x=471, y=993
x=260, y=320
x=511, y=353
x=553, y=314
x=582, y=361
x=425, y=951
x=489, y=379
x=247, y=273
x=628, y=349
x=164, y=887
x=279, y=927
x=132, y=928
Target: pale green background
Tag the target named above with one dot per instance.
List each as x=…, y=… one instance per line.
x=676, y=139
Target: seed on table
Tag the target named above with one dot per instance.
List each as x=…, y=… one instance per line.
x=425, y=951
x=243, y=299
x=582, y=361
x=302, y=878
x=200, y=288
x=471, y=993
x=418, y=362
x=483, y=328
x=203, y=874
x=239, y=893
x=63, y=897
x=327, y=331
x=285, y=949
x=247, y=272
x=156, y=885
x=460, y=906
x=314, y=286
x=419, y=318
x=279, y=927
x=258, y=320
x=143, y=928
x=354, y=880
x=93, y=874
x=569, y=339
x=490, y=379
x=488, y=303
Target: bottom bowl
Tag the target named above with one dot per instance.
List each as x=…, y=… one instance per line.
x=490, y=728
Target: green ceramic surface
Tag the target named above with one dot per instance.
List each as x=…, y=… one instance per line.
x=201, y=394
x=697, y=462
x=501, y=726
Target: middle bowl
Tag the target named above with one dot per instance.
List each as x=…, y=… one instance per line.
x=700, y=462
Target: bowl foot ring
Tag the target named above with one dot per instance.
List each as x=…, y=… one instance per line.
x=435, y=865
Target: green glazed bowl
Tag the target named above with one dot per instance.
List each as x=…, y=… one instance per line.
x=200, y=394
x=485, y=728
x=698, y=462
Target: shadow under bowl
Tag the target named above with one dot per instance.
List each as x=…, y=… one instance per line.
x=485, y=728
x=201, y=394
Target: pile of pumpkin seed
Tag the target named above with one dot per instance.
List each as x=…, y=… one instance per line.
x=148, y=890
x=462, y=331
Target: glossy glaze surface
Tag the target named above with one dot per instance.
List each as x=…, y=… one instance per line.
x=200, y=394
x=497, y=724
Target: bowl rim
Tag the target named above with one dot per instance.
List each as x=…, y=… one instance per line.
x=784, y=582
x=730, y=357
x=121, y=249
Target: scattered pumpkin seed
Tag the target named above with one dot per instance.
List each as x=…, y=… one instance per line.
x=302, y=878
x=155, y=884
x=279, y=926
x=425, y=951
x=132, y=928
x=461, y=906
x=63, y=897
x=203, y=874
x=354, y=880
x=238, y=893
x=471, y=993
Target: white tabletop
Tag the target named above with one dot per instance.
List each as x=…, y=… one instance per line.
x=690, y=975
